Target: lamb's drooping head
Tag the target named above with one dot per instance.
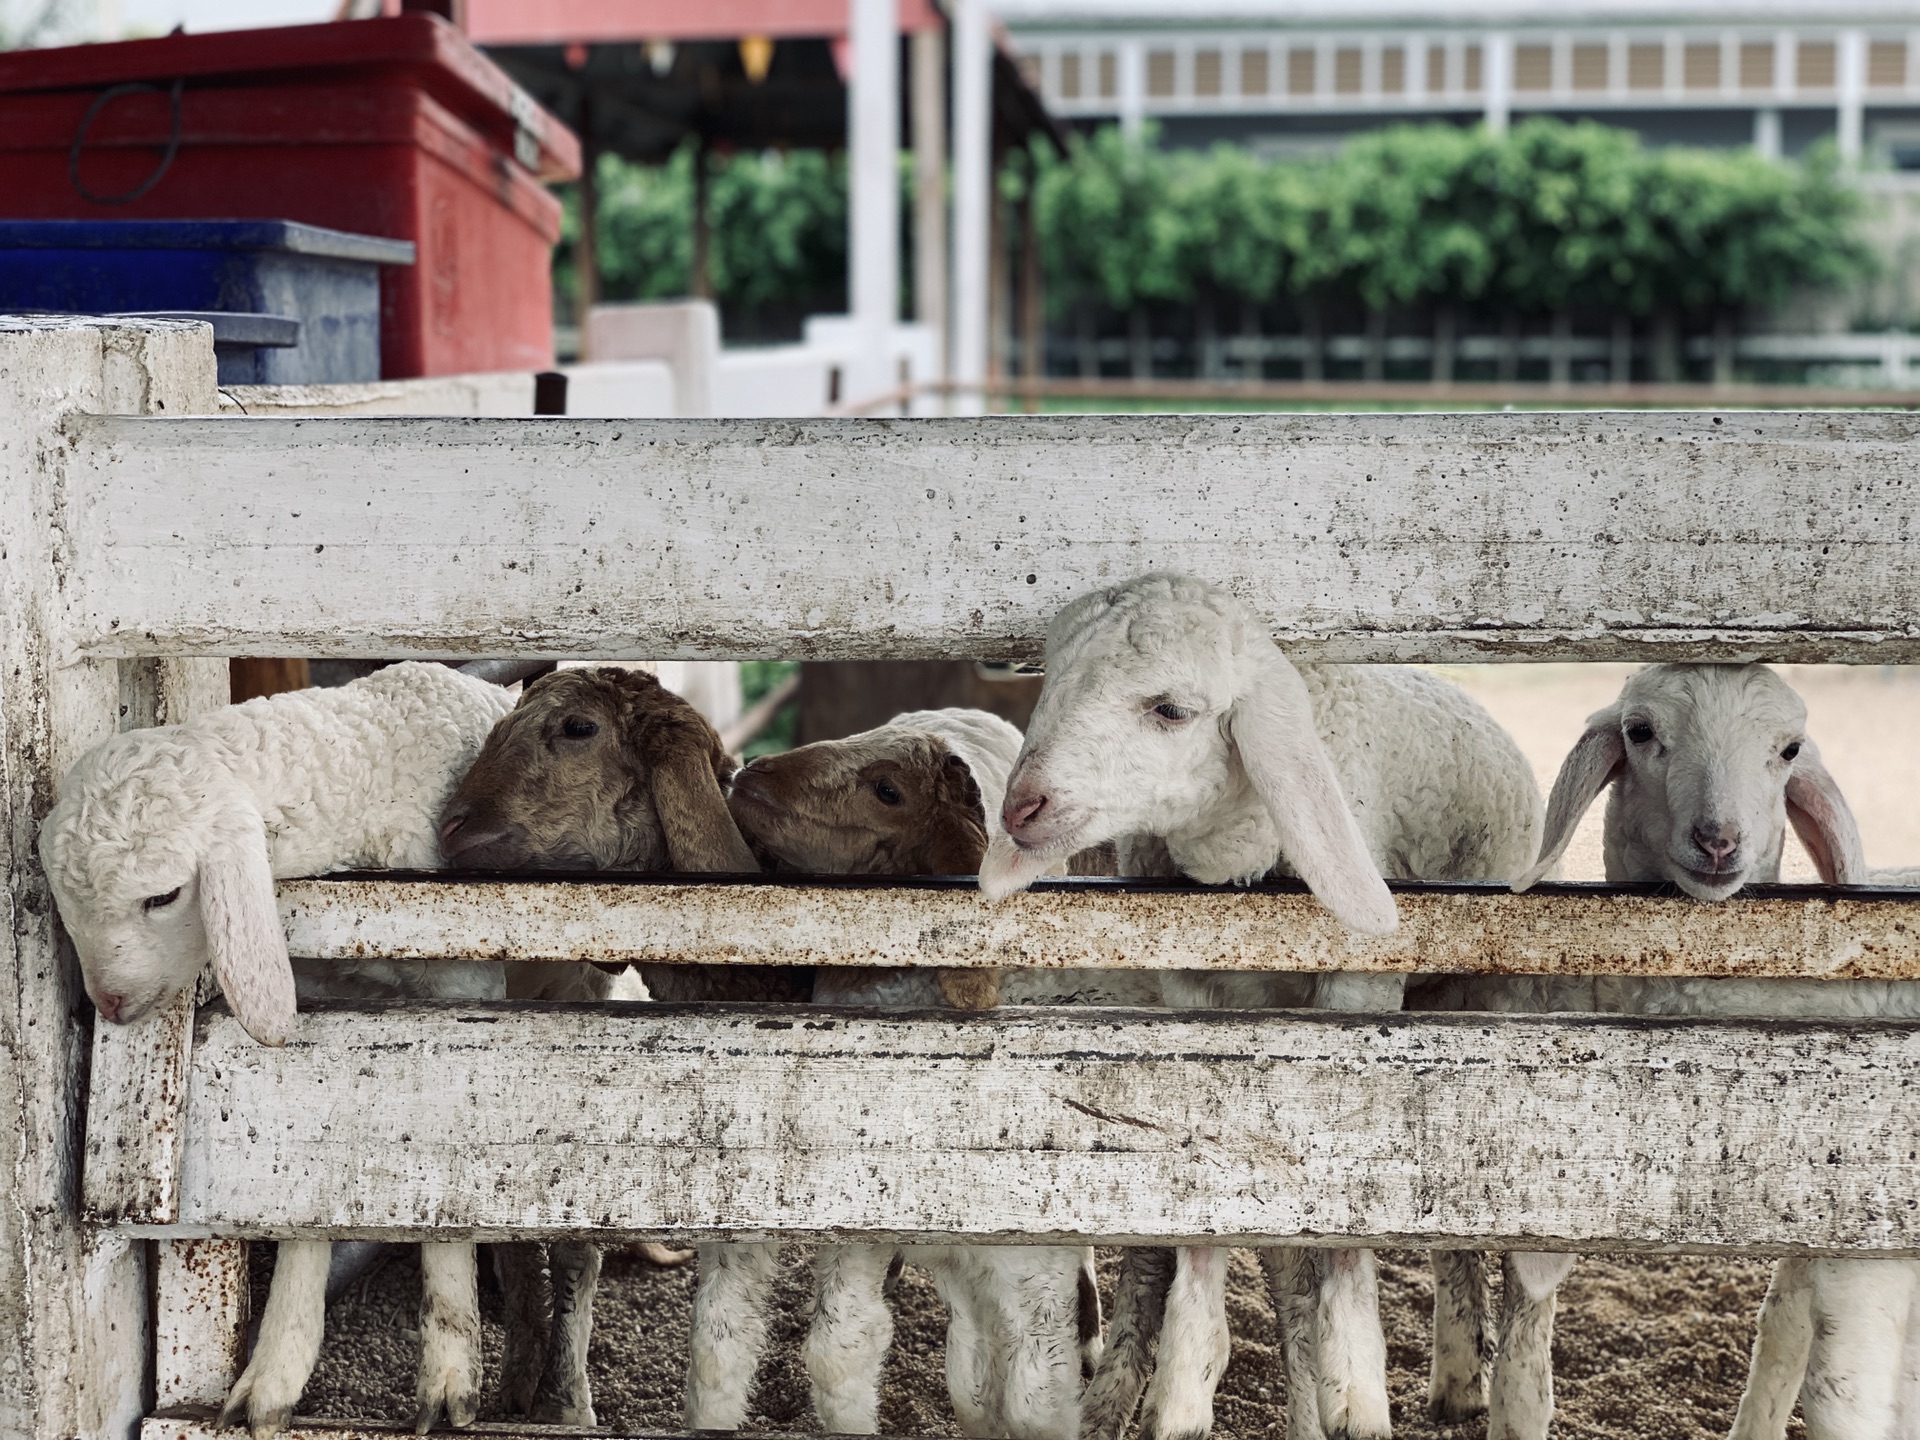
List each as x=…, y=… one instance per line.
x=1166, y=709
x=158, y=861
x=600, y=769
x=1709, y=764
x=898, y=800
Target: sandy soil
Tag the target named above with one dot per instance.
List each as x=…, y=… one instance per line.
x=1648, y=1348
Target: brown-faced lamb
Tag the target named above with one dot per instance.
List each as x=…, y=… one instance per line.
x=600, y=769
x=918, y=796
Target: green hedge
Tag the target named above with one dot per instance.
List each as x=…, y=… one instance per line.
x=1547, y=217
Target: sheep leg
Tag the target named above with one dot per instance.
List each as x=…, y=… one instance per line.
x=1457, y=1380
x=1194, y=1346
x=970, y=1379
x=1859, y=1341
x=1520, y=1406
x=521, y=1266
x=1139, y=1308
x=449, y=1379
x=1091, y=1324
x=729, y=1332
x=565, y=1396
x=1353, y=1348
x=289, y=1343
x=1295, y=1288
x=1906, y=1424
x=848, y=1339
x=1038, y=1309
x=1782, y=1338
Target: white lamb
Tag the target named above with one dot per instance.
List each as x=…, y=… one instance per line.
x=162, y=852
x=1708, y=766
x=917, y=795
x=1171, y=724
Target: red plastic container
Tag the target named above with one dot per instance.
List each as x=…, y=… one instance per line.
x=394, y=127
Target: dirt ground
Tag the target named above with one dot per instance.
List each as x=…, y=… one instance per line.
x=1645, y=1348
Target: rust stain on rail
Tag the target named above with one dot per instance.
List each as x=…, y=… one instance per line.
x=1797, y=935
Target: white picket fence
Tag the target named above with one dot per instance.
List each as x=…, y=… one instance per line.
x=142, y=547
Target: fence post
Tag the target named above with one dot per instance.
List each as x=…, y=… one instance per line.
x=73, y=1301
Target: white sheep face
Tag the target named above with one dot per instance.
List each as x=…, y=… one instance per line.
x=1129, y=736
x=1702, y=796
x=158, y=862
x=138, y=951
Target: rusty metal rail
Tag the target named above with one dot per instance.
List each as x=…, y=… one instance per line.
x=1787, y=931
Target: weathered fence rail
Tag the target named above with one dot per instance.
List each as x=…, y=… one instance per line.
x=1786, y=931
x=1112, y=1125
x=140, y=550
x=1375, y=537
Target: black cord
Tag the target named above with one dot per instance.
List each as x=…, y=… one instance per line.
x=100, y=102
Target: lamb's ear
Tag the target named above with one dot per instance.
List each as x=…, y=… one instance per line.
x=688, y=767
x=958, y=842
x=1823, y=821
x=1594, y=763
x=1272, y=726
x=244, y=938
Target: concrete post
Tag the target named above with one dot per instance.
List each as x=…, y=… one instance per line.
x=972, y=198
x=929, y=100
x=73, y=1303
x=1498, y=53
x=873, y=147
x=1851, y=116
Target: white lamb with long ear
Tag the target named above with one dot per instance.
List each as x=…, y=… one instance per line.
x=161, y=852
x=1708, y=767
x=1171, y=724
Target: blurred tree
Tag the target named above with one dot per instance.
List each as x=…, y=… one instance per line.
x=1112, y=226
x=779, y=226
x=1546, y=219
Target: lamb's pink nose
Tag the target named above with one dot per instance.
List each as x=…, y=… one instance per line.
x=110, y=1005
x=1717, y=841
x=1023, y=807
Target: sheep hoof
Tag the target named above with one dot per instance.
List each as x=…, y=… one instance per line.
x=1450, y=1408
x=247, y=1406
x=455, y=1396
x=578, y=1416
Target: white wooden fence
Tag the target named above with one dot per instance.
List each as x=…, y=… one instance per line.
x=141, y=547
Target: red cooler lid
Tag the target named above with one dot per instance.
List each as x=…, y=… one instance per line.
x=428, y=51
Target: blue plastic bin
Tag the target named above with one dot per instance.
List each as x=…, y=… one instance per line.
x=327, y=280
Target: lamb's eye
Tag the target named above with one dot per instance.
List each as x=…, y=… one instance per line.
x=578, y=727
x=1178, y=714
x=888, y=795
x=1791, y=752
x=1639, y=732
x=160, y=902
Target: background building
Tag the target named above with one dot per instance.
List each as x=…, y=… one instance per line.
x=1302, y=74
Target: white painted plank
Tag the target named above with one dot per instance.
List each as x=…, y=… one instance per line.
x=137, y=1089
x=1103, y=1125
x=1102, y=924
x=1372, y=537
x=199, y=1321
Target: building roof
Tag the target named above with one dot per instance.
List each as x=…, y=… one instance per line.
x=1027, y=14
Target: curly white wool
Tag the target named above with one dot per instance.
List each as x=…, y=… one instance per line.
x=162, y=851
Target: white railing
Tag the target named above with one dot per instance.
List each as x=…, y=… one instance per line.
x=141, y=549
